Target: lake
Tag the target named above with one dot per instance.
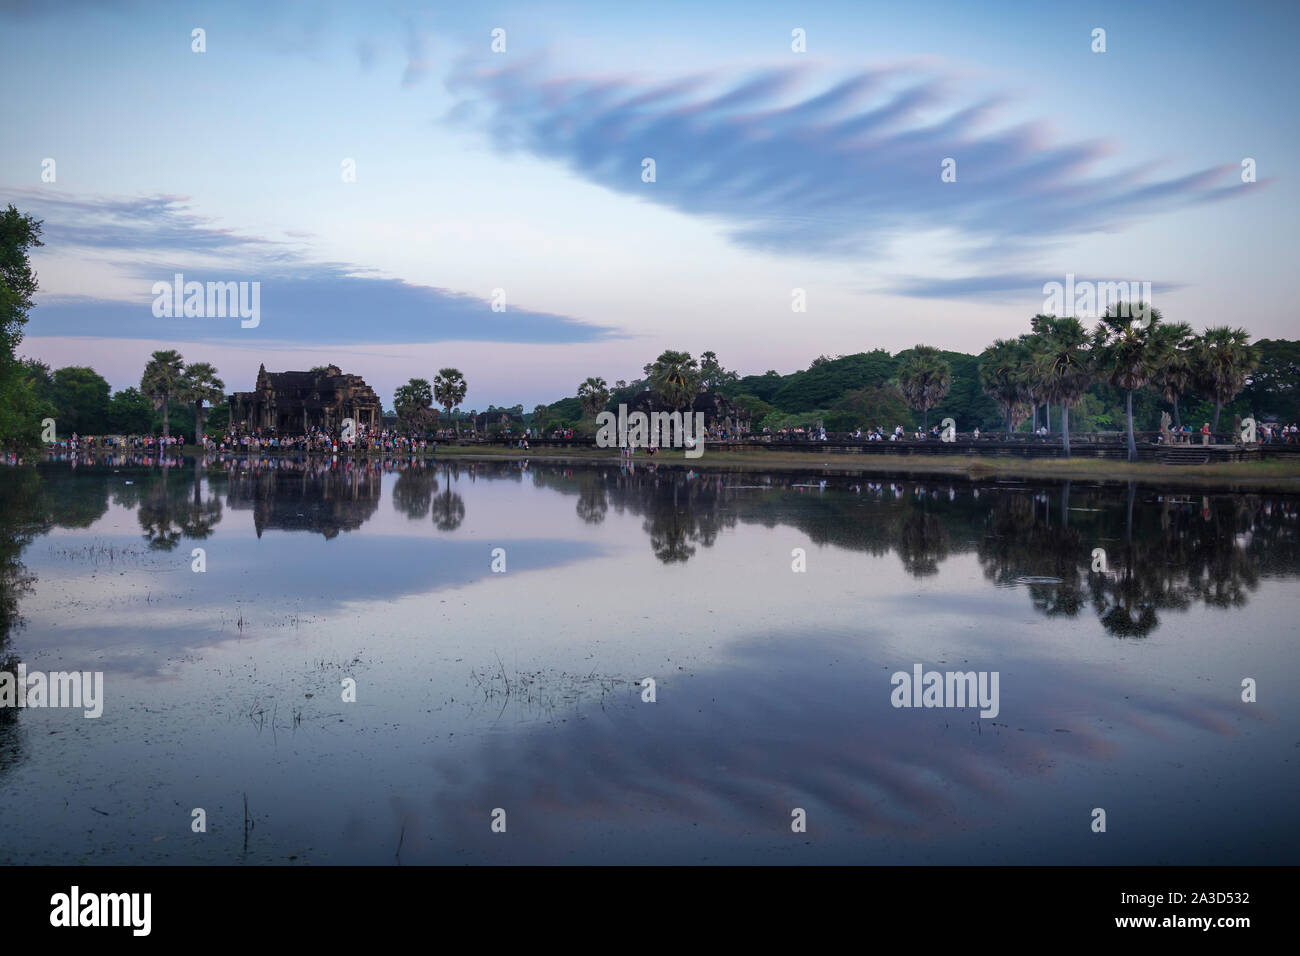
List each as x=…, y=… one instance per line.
x=448, y=663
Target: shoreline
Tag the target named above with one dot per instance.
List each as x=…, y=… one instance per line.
x=1282, y=475
x=1270, y=475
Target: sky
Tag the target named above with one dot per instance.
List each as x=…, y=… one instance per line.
x=408, y=197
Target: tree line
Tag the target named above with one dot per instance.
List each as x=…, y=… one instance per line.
x=1130, y=348
x=171, y=393
x=413, y=402
x=77, y=398
x=1128, y=368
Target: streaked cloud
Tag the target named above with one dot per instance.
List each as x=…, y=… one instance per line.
x=320, y=305
x=999, y=284
x=417, y=56
x=133, y=224
x=792, y=161
x=152, y=238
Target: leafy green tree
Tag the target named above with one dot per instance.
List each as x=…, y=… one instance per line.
x=18, y=233
x=413, y=403
x=200, y=384
x=714, y=377
x=826, y=380
x=129, y=413
x=42, y=377
x=1129, y=351
x=809, y=420
x=1001, y=372
x=21, y=407
x=1066, y=367
x=540, y=418
x=32, y=402
x=80, y=397
x=565, y=413
x=764, y=386
x=1091, y=414
x=449, y=388
x=870, y=407
x=754, y=407
x=674, y=378
x=625, y=393
x=965, y=402
x=1274, y=387
x=923, y=379
x=1031, y=384
x=1224, y=359
x=162, y=380
x=1174, y=375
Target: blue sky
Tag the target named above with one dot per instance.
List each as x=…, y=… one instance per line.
x=521, y=171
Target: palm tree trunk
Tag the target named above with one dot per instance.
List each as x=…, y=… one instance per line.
x=166, y=425
x=1008, y=432
x=1128, y=517
x=1065, y=428
x=1132, y=442
x=1034, y=425
x=1178, y=421
x=1218, y=407
x=1047, y=416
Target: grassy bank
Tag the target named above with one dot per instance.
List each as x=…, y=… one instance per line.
x=1268, y=475
x=1274, y=475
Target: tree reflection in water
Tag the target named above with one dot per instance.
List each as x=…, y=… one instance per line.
x=1164, y=551
x=449, y=507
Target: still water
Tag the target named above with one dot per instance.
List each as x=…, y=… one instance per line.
x=519, y=689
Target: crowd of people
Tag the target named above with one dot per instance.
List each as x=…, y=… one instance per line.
x=319, y=440
x=242, y=440
x=1269, y=433
x=149, y=444
x=879, y=433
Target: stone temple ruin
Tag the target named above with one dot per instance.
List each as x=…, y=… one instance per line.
x=291, y=403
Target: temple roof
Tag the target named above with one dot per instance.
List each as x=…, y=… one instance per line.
x=295, y=384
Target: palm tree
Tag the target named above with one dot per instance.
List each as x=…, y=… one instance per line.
x=162, y=381
x=675, y=378
x=594, y=395
x=449, y=507
x=449, y=388
x=1129, y=351
x=1036, y=342
x=200, y=384
x=1001, y=370
x=1031, y=384
x=1065, y=366
x=1175, y=375
x=1223, y=361
x=923, y=379
x=413, y=403
x=541, y=415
